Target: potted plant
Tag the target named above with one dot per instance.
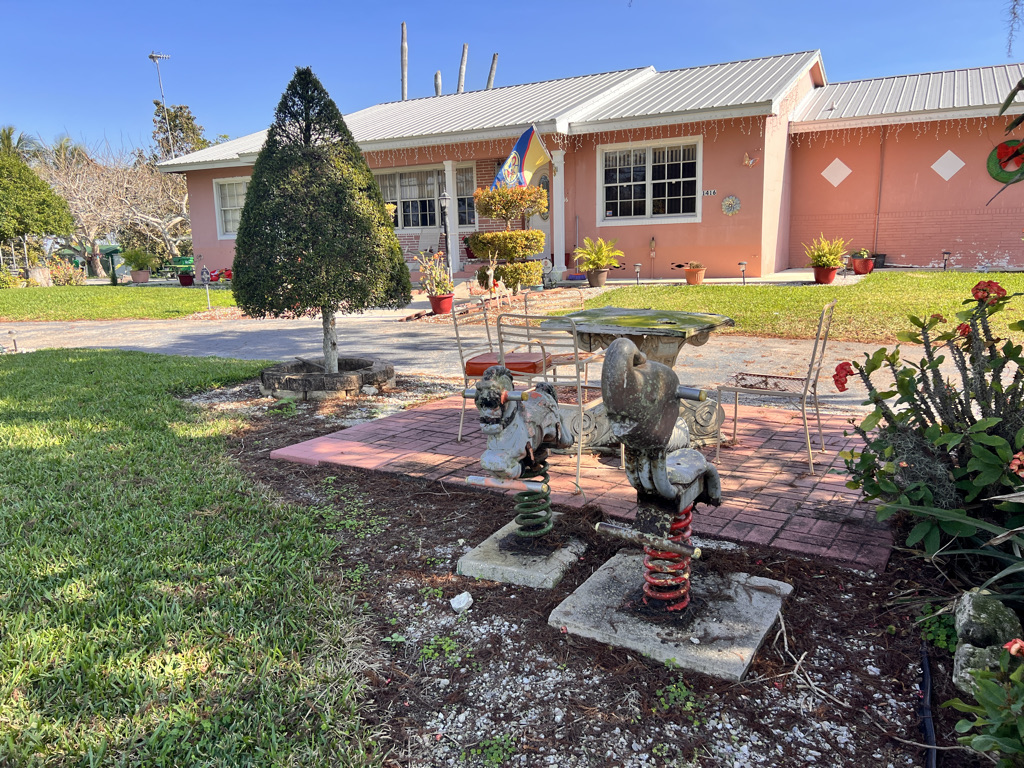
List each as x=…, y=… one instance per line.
x=186, y=277
x=435, y=280
x=595, y=257
x=694, y=273
x=862, y=260
x=141, y=263
x=826, y=257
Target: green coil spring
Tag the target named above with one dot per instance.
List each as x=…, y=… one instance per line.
x=533, y=508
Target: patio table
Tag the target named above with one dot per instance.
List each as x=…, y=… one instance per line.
x=659, y=334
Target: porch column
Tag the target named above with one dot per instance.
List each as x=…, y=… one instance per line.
x=557, y=207
x=452, y=246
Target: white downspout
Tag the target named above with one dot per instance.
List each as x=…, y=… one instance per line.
x=557, y=207
x=452, y=246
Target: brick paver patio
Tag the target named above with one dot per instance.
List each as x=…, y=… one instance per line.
x=768, y=495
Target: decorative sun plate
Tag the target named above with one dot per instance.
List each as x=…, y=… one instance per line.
x=731, y=205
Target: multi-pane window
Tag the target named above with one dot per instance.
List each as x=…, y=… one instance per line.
x=419, y=191
x=465, y=186
x=416, y=196
x=231, y=198
x=650, y=182
x=625, y=188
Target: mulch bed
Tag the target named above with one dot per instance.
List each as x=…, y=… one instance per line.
x=498, y=686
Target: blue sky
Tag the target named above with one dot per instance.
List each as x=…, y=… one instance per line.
x=82, y=68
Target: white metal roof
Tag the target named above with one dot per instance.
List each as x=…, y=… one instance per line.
x=572, y=105
x=957, y=93
x=754, y=82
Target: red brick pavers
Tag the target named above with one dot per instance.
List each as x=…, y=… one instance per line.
x=768, y=495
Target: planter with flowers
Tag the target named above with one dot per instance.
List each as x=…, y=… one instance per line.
x=825, y=257
x=436, y=281
x=694, y=272
x=863, y=261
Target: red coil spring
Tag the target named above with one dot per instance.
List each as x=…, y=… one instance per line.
x=668, y=574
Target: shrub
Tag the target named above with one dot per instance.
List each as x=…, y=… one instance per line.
x=510, y=203
x=940, y=449
x=519, y=274
x=825, y=253
x=65, y=273
x=511, y=245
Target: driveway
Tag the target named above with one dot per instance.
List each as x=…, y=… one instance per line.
x=413, y=347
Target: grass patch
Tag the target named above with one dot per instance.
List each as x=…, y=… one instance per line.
x=873, y=310
x=156, y=609
x=106, y=302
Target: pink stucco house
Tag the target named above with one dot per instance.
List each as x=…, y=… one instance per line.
x=742, y=161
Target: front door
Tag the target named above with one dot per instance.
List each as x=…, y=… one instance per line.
x=542, y=178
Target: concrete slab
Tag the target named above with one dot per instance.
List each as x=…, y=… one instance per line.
x=491, y=561
x=718, y=634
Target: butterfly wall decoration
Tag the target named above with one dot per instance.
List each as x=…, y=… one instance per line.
x=749, y=161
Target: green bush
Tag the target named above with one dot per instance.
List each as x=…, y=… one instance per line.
x=510, y=245
x=7, y=280
x=510, y=203
x=516, y=275
x=940, y=448
x=64, y=273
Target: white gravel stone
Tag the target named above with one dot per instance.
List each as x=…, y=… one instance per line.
x=462, y=602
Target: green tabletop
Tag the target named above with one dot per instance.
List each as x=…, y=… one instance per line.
x=652, y=322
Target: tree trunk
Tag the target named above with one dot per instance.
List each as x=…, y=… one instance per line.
x=330, y=340
x=95, y=261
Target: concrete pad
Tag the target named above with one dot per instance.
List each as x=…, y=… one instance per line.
x=728, y=617
x=490, y=561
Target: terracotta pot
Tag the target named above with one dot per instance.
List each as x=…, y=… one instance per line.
x=862, y=266
x=597, y=277
x=694, y=276
x=825, y=275
x=140, y=275
x=186, y=280
x=441, y=305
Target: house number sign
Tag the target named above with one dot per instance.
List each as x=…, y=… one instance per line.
x=710, y=192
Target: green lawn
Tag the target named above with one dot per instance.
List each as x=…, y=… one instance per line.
x=107, y=302
x=157, y=609
x=873, y=310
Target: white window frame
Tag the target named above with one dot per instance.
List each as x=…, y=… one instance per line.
x=218, y=212
x=649, y=219
x=453, y=209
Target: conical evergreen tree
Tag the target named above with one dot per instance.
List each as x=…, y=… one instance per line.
x=314, y=235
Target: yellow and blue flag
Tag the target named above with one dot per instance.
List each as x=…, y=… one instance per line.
x=527, y=156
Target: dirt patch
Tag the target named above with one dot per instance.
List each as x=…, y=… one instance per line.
x=837, y=683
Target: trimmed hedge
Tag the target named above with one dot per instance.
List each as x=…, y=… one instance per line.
x=510, y=245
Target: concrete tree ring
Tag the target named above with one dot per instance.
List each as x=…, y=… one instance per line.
x=306, y=379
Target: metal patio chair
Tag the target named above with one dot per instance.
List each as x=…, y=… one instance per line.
x=799, y=388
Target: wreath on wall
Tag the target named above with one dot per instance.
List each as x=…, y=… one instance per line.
x=1001, y=166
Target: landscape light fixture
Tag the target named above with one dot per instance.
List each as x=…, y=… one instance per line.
x=155, y=58
x=636, y=268
x=743, y=271
x=444, y=200
x=945, y=259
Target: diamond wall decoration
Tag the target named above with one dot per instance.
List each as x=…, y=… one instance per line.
x=947, y=165
x=836, y=172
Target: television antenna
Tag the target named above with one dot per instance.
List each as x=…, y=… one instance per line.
x=155, y=58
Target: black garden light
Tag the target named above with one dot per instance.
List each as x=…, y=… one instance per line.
x=636, y=268
x=743, y=271
x=945, y=259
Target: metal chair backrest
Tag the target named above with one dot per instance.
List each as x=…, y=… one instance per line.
x=820, y=340
x=470, y=347
x=518, y=331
